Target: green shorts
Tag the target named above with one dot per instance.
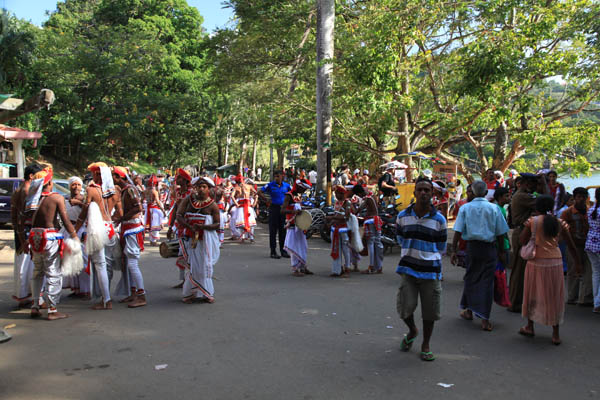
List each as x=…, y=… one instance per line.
x=430, y=292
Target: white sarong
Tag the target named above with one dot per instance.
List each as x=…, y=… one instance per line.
x=198, y=277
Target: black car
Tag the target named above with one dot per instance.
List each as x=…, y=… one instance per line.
x=7, y=188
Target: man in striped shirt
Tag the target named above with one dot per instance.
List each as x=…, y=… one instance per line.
x=421, y=232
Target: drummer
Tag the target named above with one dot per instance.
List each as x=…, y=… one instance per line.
x=295, y=239
x=340, y=235
x=373, y=224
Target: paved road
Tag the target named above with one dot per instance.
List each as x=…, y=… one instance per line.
x=273, y=336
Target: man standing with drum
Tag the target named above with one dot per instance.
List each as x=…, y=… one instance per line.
x=183, y=183
x=132, y=236
x=277, y=190
x=295, y=239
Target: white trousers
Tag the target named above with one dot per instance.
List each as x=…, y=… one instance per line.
x=23, y=271
x=47, y=265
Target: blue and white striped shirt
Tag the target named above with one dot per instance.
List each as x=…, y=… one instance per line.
x=423, y=240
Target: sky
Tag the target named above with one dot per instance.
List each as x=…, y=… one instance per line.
x=35, y=11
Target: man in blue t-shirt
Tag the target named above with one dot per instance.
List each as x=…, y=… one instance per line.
x=277, y=190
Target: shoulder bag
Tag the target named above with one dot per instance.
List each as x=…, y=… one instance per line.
x=528, y=251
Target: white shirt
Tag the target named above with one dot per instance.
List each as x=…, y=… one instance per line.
x=312, y=177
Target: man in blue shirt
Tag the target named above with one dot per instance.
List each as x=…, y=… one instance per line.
x=482, y=225
x=422, y=234
x=277, y=190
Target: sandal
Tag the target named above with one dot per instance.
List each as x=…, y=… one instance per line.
x=298, y=273
x=188, y=299
x=427, y=356
x=488, y=327
x=307, y=272
x=368, y=271
x=406, y=343
x=465, y=314
x=526, y=332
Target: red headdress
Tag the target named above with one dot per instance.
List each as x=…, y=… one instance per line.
x=301, y=183
x=93, y=167
x=121, y=171
x=46, y=174
x=184, y=174
x=153, y=181
x=340, y=189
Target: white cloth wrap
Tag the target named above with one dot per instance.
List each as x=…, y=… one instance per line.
x=295, y=244
x=23, y=271
x=198, y=278
x=72, y=262
x=355, y=239
x=97, y=237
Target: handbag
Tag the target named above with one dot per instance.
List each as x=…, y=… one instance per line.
x=501, y=296
x=528, y=251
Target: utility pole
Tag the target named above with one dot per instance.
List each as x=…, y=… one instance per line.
x=325, y=30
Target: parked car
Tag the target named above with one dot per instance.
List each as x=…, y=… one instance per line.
x=8, y=187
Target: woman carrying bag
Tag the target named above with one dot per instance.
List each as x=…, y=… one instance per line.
x=544, y=295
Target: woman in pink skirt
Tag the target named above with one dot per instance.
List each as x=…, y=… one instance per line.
x=543, y=296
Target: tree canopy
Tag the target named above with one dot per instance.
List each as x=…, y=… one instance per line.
x=487, y=84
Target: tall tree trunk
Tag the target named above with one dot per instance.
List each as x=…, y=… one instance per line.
x=500, y=147
x=325, y=29
x=280, y=158
x=242, y=155
x=227, y=144
x=254, y=156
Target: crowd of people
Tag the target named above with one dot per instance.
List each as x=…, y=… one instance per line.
x=101, y=227
x=78, y=242
x=554, y=234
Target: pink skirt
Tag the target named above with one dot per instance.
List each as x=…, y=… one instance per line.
x=544, y=291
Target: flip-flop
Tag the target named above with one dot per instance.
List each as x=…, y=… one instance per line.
x=427, y=356
x=488, y=328
x=525, y=332
x=406, y=343
x=463, y=315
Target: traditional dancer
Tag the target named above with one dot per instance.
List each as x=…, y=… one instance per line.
x=295, y=239
x=183, y=182
x=79, y=283
x=340, y=235
x=132, y=236
x=218, y=196
x=373, y=224
x=233, y=207
x=155, y=211
x=23, y=265
x=199, y=215
x=245, y=217
x=46, y=242
x=101, y=238
x=355, y=203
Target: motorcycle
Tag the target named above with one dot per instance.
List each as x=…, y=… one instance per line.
x=263, y=212
x=388, y=229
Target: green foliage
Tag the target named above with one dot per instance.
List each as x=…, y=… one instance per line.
x=487, y=83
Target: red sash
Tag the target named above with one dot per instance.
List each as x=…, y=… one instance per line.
x=246, y=204
x=38, y=238
x=335, y=242
x=149, y=215
x=139, y=236
x=195, y=220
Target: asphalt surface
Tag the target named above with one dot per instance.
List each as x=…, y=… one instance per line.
x=270, y=335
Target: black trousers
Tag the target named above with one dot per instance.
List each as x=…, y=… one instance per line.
x=276, y=224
